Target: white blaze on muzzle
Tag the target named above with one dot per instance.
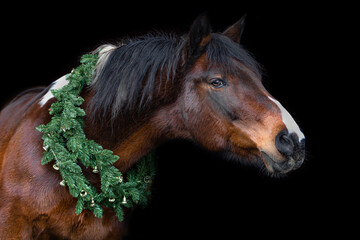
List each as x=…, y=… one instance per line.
x=289, y=122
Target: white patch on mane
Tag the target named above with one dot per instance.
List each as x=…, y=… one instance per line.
x=58, y=84
x=289, y=122
x=104, y=53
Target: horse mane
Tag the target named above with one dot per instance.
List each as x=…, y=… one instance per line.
x=126, y=76
x=129, y=76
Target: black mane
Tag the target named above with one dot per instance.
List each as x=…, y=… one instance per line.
x=128, y=80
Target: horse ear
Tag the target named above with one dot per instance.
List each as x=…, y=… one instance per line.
x=236, y=30
x=198, y=36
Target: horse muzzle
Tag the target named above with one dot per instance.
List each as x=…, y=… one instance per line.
x=292, y=152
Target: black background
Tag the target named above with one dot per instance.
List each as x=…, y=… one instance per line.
x=196, y=193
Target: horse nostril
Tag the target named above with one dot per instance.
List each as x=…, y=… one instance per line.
x=284, y=143
x=285, y=140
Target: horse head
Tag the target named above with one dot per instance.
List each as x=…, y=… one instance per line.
x=224, y=106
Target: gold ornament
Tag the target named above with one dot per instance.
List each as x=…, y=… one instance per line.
x=121, y=179
x=83, y=193
x=62, y=183
x=92, y=204
x=111, y=199
x=56, y=167
x=147, y=179
x=95, y=170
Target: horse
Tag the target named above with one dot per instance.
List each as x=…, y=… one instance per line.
x=202, y=86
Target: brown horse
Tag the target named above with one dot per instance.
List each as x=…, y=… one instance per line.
x=203, y=87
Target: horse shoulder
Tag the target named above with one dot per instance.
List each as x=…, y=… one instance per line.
x=13, y=184
x=32, y=202
x=12, y=115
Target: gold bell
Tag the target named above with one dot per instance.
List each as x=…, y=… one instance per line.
x=124, y=200
x=92, y=204
x=95, y=170
x=147, y=179
x=56, y=167
x=83, y=193
x=62, y=183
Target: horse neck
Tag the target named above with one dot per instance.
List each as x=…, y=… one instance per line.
x=131, y=138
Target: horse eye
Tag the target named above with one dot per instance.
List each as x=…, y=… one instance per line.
x=217, y=83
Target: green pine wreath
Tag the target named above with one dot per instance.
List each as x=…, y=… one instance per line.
x=66, y=144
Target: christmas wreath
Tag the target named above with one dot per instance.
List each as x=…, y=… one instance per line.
x=65, y=143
